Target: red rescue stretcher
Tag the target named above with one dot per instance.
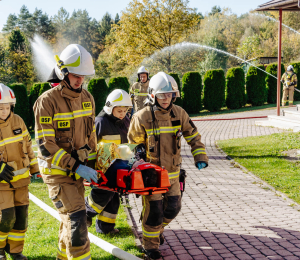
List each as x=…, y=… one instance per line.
x=132, y=181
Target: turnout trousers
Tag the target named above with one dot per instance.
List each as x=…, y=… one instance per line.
x=68, y=198
x=105, y=205
x=14, y=218
x=288, y=92
x=158, y=211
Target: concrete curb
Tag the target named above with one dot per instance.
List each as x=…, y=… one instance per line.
x=115, y=251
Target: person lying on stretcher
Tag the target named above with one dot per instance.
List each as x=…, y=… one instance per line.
x=123, y=170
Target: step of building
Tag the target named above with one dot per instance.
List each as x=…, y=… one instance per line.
x=281, y=122
x=291, y=114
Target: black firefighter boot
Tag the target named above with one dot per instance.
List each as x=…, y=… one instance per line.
x=152, y=253
x=18, y=256
x=2, y=254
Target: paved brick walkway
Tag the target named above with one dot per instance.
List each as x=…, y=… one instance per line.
x=225, y=214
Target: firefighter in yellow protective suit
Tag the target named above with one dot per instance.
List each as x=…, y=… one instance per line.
x=159, y=127
x=65, y=134
x=289, y=80
x=139, y=90
x=16, y=164
x=112, y=126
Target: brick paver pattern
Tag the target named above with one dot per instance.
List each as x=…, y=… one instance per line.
x=225, y=213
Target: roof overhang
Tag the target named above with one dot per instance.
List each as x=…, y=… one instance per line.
x=285, y=5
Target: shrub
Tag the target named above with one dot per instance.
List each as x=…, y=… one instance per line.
x=235, y=88
x=256, y=85
x=126, y=84
x=271, y=82
x=296, y=66
x=118, y=83
x=44, y=87
x=22, y=105
x=214, y=90
x=99, y=90
x=191, y=92
x=178, y=101
x=33, y=96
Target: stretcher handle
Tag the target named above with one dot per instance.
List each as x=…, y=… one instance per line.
x=103, y=182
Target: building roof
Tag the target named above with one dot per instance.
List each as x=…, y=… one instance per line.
x=285, y=5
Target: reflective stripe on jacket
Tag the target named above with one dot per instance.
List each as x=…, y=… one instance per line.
x=16, y=151
x=165, y=149
x=64, y=120
x=289, y=78
x=140, y=92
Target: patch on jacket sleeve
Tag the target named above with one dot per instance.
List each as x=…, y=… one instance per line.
x=44, y=151
x=45, y=120
x=17, y=131
x=86, y=105
x=176, y=123
x=58, y=204
x=192, y=123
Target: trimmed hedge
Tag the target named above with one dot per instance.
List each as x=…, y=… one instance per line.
x=33, y=96
x=44, y=87
x=178, y=101
x=22, y=104
x=296, y=66
x=256, y=86
x=191, y=92
x=127, y=84
x=271, y=82
x=99, y=90
x=214, y=90
x=118, y=83
x=235, y=88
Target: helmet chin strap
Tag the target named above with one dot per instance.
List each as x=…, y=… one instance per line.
x=78, y=90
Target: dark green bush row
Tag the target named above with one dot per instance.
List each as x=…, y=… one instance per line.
x=271, y=82
x=235, y=88
x=217, y=91
x=296, y=66
x=191, y=92
x=256, y=86
x=214, y=90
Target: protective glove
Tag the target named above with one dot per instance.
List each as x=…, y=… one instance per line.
x=87, y=173
x=200, y=165
x=6, y=172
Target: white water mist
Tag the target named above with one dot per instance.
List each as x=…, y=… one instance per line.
x=43, y=57
x=274, y=20
x=185, y=45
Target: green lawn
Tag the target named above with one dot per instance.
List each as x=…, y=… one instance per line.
x=262, y=155
x=41, y=237
x=42, y=234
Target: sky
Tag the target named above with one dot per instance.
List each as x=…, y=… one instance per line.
x=97, y=8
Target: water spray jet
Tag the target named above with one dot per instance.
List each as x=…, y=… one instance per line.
x=185, y=45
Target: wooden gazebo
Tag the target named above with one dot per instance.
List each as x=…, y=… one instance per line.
x=279, y=5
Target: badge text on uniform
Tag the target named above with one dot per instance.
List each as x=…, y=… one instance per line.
x=17, y=131
x=87, y=105
x=64, y=124
x=45, y=120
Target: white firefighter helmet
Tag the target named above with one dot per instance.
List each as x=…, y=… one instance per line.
x=161, y=83
x=7, y=96
x=290, y=68
x=74, y=59
x=143, y=70
x=117, y=98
